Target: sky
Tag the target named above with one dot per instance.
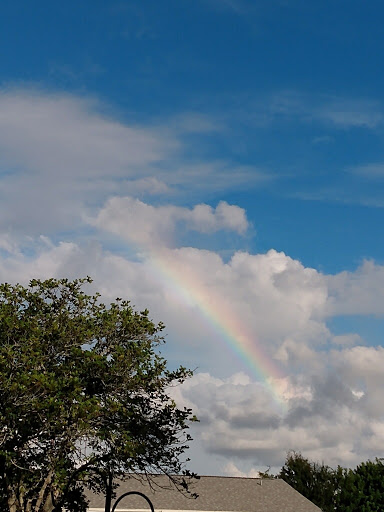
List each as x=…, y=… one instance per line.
x=221, y=163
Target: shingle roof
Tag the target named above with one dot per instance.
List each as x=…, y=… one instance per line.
x=216, y=493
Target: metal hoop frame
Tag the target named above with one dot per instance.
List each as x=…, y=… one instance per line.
x=133, y=492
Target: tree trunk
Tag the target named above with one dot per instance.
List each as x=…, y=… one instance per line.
x=44, y=503
x=48, y=505
x=42, y=492
x=13, y=502
x=108, y=494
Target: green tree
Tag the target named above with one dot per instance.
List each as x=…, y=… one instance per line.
x=317, y=482
x=84, y=394
x=362, y=489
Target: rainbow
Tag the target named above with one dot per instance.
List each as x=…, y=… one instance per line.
x=187, y=287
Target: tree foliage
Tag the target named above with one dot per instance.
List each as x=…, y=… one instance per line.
x=362, y=489
x=342, y=489
x=83, y=393
x=315, y=481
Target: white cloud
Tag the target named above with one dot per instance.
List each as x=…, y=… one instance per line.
x=348, y=339
x=65, y=154
x=148, y=225
x=273, y=297
x=239, y=423
x=8, y=244
x=334, y=399
x=62, y=157
x=231, y=469
x=270, y=299
x=362, y=367
x=358, y=292
x=148, y=186
x=65, y=135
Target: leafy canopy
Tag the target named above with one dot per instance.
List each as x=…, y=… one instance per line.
x=83, y=392
x=342, y=489
x=315, y=481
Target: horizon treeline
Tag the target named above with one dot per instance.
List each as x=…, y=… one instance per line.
x=336, y=490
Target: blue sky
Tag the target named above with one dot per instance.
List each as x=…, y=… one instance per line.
x=241, y=140
x=292, y=89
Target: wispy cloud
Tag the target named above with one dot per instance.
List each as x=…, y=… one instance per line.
x=322, y=139
x=351, y=113
x=70, y=74
x=235, y=5
x=240, y=7
x=372, y=170
x=65, y=154
x=339, y=112
x=341, y=194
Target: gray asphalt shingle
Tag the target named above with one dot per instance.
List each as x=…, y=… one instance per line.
x=216, y=493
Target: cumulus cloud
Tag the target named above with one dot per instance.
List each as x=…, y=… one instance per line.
x=366, y=362
x=361, y=369
x=240, y=424
x=148, y=225
x=231, y=469
x=251, y=291
x=62, y=157
x=358, y=292
x=270, y=300
x=348, y=339
x=333, y=399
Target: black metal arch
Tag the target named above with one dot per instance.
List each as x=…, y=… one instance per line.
x=133, y=492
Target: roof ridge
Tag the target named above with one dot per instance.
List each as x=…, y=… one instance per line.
x=205, y=476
